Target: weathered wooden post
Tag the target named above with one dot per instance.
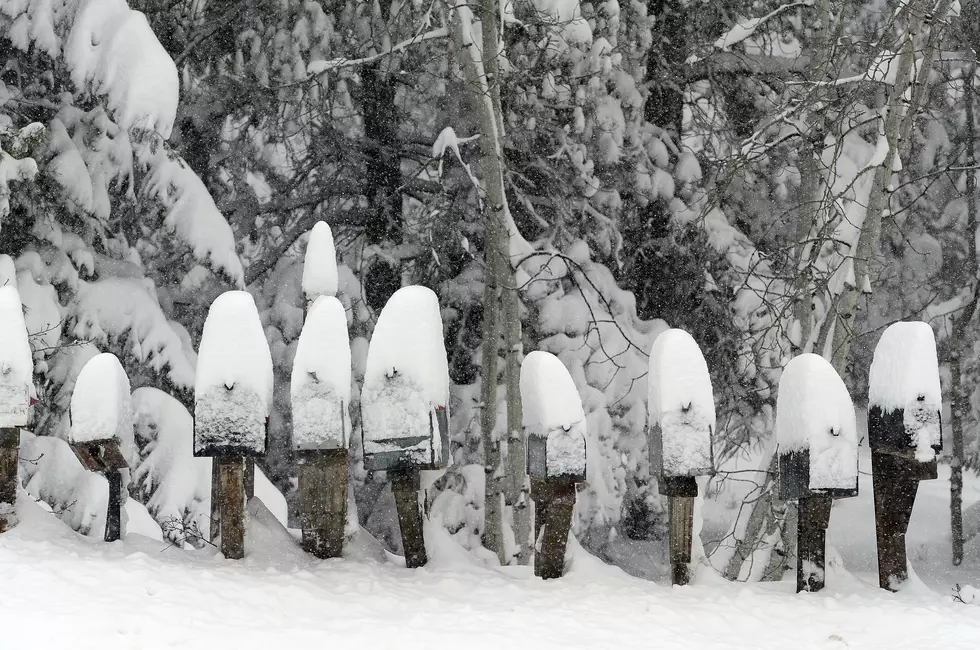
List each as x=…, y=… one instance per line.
x=405, y=404
x=905, y=434
x=681, y=409
x=554, y=421
x=232, y=402
x=101, y=432
x=816, y=432
x=16, y=386
x=320, y=395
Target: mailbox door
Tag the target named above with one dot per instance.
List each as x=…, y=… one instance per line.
x=537, y=456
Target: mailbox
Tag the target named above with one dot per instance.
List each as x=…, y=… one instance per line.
x=816, y=432
x=681, y=411
x=554, y=419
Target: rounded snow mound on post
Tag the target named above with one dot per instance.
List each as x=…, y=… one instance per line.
x=101, y=405
x=320, y=386
x=814, y=414
x=406, y=378
x=553, y=410
x=681, y=402
x=320, y=264
x=233, y=387
x=905, y=376
x=16, y=361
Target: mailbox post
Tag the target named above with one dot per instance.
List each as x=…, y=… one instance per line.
x=554, y=422
x=320, y=395
x=405, y=405
x=816, y=432
x=681, y=411
x=232, y=402
x=101, y=433
x=16, y=371
x=905, y=434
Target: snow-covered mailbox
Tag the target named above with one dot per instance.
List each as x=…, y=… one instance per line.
x=320, y=395
x=554, y=423
x=681, y=409
x=904, y=433
x=101, y=431
x=405, y=404
x=816, y=432
x=16, y=371
x=232, y=402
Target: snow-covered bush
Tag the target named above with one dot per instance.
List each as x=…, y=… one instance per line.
x=321, y=379
x=681, y=407
x=816, y=431
x=406, y=384
x=16, y=364
x=553, y=418
x=904, y=394
x=233, y=387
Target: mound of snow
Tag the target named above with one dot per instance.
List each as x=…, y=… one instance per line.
x=233, y=388
x=320, y=264
x=814, y=414
x=552, y=412
x=16, y=361
x=681, y=403
x=321, y=379
x=101, y=405
x=406, y=378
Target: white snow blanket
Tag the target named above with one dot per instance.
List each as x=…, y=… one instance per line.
x=321, y=380
x=814, y=413
x=16, y=362
x=406, y=378
x=101, y=405
x=233, y=387
x=681, y=402
x=553, y=411
x=905, y=375
x=320, y=276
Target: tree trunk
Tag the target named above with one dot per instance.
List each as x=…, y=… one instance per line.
x=516, y=497
x=755, y=526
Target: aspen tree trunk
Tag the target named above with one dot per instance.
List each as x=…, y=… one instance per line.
x=516, y=497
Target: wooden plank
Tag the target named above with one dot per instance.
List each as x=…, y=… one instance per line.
x=323, y=501
x=556, y=503
x=249, y=477
x=231, y=478
x=113, y=517
x=405, y=485
x=680, y=513
x=215, y=531
x=811, y=562
x=9, y=456
x=895, y=481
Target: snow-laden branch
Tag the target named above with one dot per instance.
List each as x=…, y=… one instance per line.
x=316, y=68
x=746, y=29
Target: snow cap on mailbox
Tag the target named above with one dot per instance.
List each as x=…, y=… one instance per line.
x=320, y=386
x=101, y=406
x=904, y=395
x=553, y=418
x=233, y=387
x=405, y=397
x=816, y=431
x=681, y=407
x=16, y=361
x=320, y=264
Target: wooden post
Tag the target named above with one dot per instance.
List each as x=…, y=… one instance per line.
x=680, y=512
x=553, y=510
x=231, y=478
x=895, y=485
x=113, y=517
x=215, y=531
x=323, y=501
x=9, y=455
x=811, y=542
x=405, y=485
x=249, y=477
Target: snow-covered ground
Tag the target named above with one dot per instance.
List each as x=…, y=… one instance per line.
x=63, y=590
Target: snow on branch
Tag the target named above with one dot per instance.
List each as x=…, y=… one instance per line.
x=747, y=28
x=316, y=68
x=12, y=169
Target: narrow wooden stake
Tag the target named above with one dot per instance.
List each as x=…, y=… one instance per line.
x=895, y=489
x=556, y=517
x=215, y=531
x=323, y=501
x=9, y=455
x=405, y=485
x=811, y=542
x=249, y=478
x=113, y=517
x=680, y=512
x=232, y=499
